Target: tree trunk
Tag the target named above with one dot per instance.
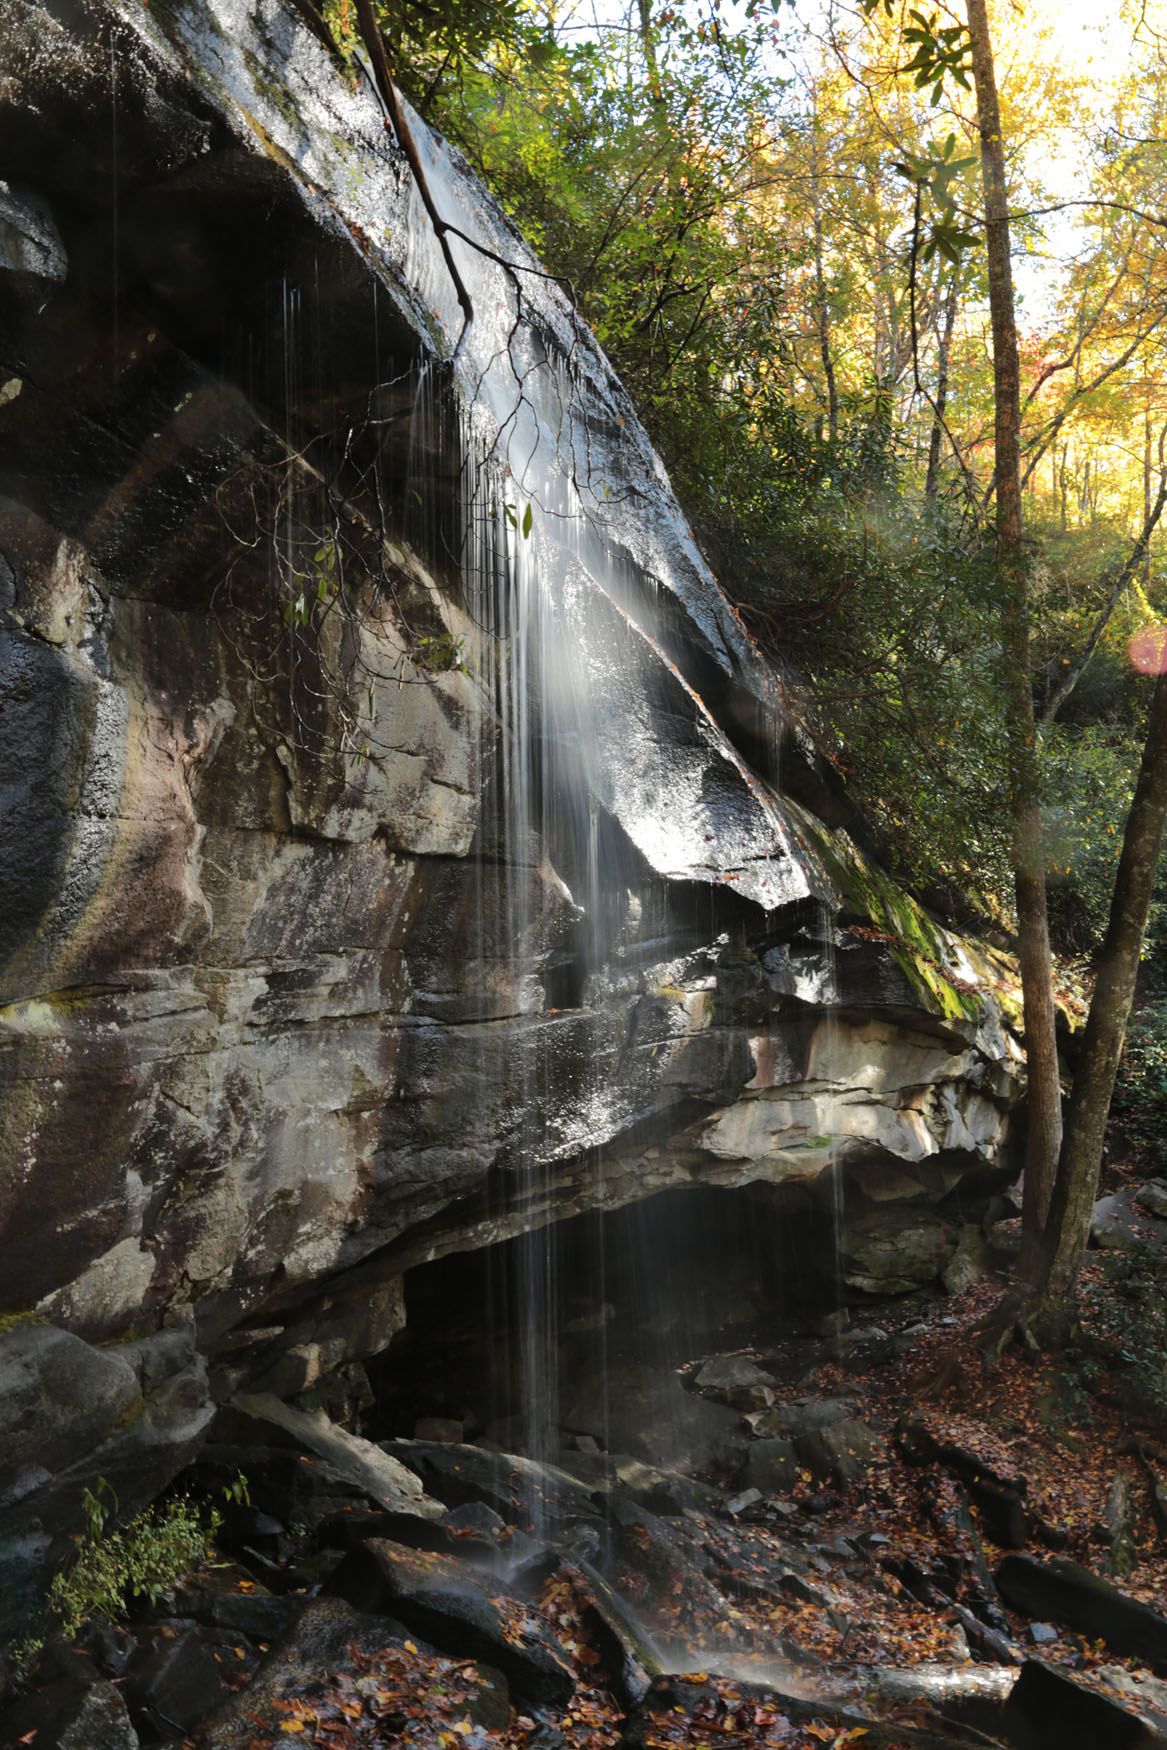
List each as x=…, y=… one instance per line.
x=1045, y=1116
x=648, y=44
x=1147, y=486
x=1118, y=965
x=824, y=317
x=943, y=354
x=1065, y=490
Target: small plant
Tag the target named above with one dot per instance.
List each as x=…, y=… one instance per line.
x=238, y=1490
x=439, y=653
x=522, y=525
x=141, y=1559
x=316, y=585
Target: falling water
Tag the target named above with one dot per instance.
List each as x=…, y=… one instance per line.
x=581, y=587
x=567, y=637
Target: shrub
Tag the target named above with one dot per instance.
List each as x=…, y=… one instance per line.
x=1140, y=1094
x=140, y=1559
x=1131, y=1319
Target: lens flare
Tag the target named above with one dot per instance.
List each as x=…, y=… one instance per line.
x=1147, y=650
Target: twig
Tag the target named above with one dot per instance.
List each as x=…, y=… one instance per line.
x=388, y=93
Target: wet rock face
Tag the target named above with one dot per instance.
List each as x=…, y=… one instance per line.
x=295, y=995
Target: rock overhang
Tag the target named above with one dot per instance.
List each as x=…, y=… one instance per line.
x=269, y=984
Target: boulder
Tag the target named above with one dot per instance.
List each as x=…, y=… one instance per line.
x=1148, y=1694
x=67, y=1718
x=626, y=1650
x=841, y=1451
x=265, y=1422
x=331, y=1643
x=803, y=1416
x=1065, y=1592
x=968, y=1263
x=647, y=1412
x=739, y=1715
x=521, y=1490
x=1153, y=1198
x=1000, y=1498
x=30, y=243
x=1048, y=1710
x=897, y=1251
x=1124, y=1223
x=771, y=1466
x=176, y=1680
x=735, y=1380
x=661, y=1491
x=441, y=1428
x=459, y=1614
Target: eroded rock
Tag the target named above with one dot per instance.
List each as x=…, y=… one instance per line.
x=1047, y=1710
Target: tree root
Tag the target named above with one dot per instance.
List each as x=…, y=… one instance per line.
x=1018, y=1319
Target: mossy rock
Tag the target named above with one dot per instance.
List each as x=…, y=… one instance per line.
x=936, y=964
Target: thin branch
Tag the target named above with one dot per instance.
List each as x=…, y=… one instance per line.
x=388, y=93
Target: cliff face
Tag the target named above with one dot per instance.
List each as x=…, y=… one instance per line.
x=403, y=845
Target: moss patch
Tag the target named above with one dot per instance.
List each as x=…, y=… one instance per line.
x=920, y=947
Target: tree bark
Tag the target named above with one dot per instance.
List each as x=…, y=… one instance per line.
x=1118, y=965
x=1044, y=1103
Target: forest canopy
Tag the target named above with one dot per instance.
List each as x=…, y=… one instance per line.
x=771, y=216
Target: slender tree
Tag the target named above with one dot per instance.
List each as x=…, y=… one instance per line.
x=1068, y=1227
x=1044, y=1098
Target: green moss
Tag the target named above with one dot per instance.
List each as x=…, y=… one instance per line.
x=10, y=1320
x=920, y=947
x=273, y=90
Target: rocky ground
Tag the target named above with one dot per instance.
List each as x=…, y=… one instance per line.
x=897, y=1548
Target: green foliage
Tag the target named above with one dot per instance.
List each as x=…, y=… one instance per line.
x=313, y=583
x=939, y=51
x=140, y=1559
x=1132, y=1320
x=1088, y=779
x=512, y=516
x=438, y=653
x=888, y=614
x=937, y=172
x=1140, y=1095
x=113, y=1564
x=437, y=51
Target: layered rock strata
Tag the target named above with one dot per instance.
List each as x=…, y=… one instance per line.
x=403, y=844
